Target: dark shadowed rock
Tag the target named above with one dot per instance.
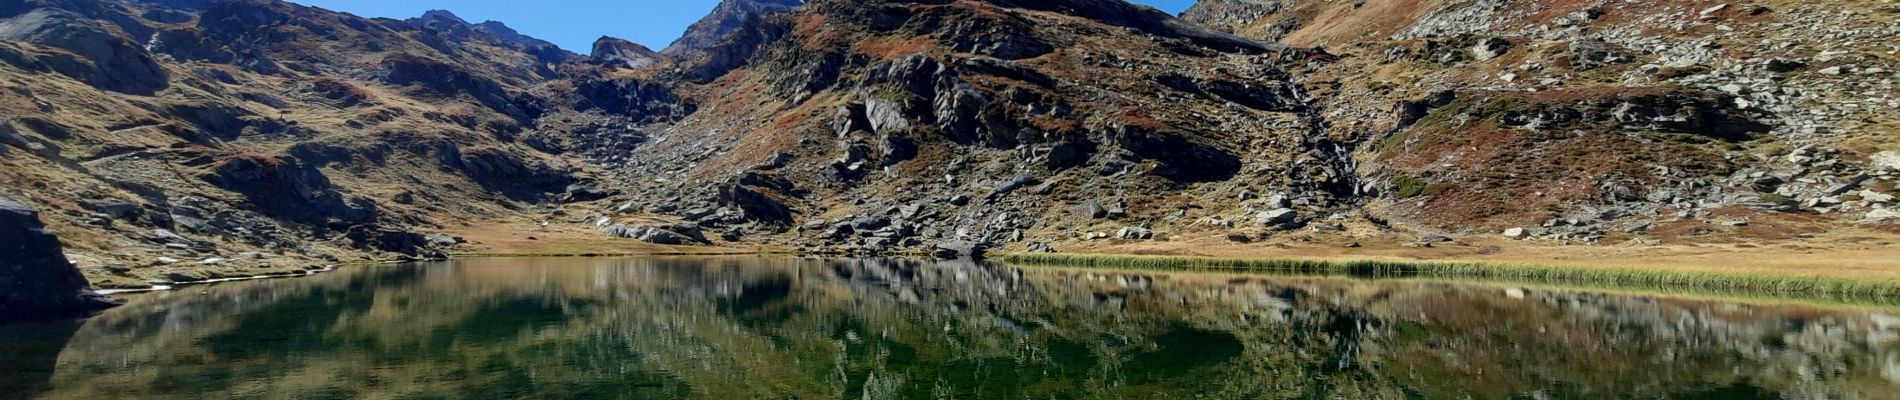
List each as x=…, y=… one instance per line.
x=757, y=205
x=396, y=241
x=506, y=172
x=1181, y=159
x=36, y=281
x=285, y=188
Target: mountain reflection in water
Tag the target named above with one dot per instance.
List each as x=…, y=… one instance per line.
x=777, y=328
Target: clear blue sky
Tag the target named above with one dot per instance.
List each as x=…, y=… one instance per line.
x=574, y=24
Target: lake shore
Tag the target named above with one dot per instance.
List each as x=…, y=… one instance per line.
x=1856, y=266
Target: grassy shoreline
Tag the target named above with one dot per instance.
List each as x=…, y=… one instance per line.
x=1806, y=287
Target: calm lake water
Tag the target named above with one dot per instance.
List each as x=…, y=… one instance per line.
x=785, y=328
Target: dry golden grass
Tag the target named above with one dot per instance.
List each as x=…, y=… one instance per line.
x=1847, y=252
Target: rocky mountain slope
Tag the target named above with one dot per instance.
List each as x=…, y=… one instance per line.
x=1036, y=125
x=1606, y=119
x=725, y=18
x=183, y=140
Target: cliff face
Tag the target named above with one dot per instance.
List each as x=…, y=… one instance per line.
x=36, y=281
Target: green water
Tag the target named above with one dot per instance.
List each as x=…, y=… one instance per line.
x=785, y=328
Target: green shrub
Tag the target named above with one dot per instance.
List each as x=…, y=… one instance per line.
x=1409, y=186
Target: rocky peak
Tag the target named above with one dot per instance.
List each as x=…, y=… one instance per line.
x=503, y=31
x=546, y=51
x=729, y=16
x=493, y=31
x=442, y=15
x=1229, y=15
x=617, y=52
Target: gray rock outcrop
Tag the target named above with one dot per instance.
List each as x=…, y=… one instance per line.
x=617, y=52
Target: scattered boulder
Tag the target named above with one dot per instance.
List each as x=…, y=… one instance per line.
x=1490, y=48
x=1011, y=185
x=1040, y=247
x=37, y=283
x=1881, y=216
x=960, y=250
x=1886, y=161
x=1135, y=233
x=1277, y=217
x=1517, y=233
x=1239, y=237
x=677, y=235
x=442, y=241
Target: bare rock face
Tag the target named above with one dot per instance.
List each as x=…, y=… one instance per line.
x=36, y=281
x=111, y=60
x=617, y=52
x=729, y=16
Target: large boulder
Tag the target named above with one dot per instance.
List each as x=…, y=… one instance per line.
x=756, y=204
x=36, y=281
x=666, y=234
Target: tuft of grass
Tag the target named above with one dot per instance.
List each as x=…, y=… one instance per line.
x=1409, y=186
x=1884, y=186
x=1807, y=287
x=1496, y=107
x=1394, y=142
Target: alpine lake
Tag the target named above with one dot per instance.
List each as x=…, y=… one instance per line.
x=780, y=327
